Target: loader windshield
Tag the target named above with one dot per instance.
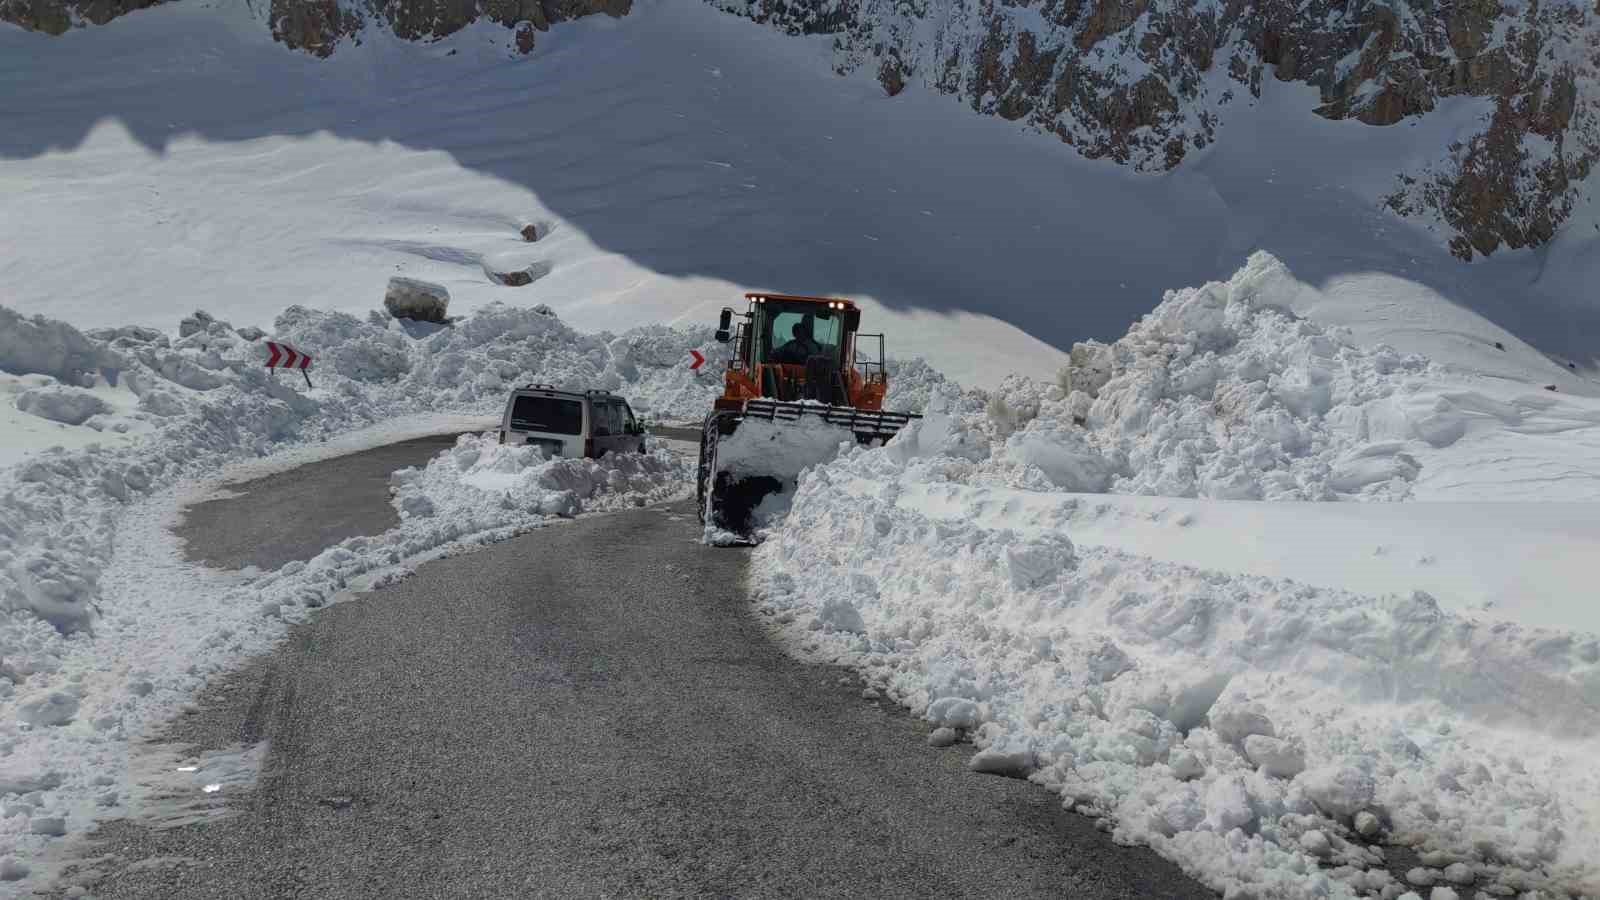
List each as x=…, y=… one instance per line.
x=791, y=333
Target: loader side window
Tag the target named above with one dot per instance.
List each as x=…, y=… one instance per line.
x=553, y=415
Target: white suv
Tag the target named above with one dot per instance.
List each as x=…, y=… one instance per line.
x=570, y=423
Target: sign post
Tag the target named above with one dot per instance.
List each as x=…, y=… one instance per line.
x=286, y=357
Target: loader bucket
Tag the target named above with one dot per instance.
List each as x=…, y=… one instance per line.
x=748, y=457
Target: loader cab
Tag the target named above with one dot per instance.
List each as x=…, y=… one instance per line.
x=792, y=347
x=791, y=333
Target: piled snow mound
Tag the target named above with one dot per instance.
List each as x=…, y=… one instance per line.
x=480, y=476
x=1268, y=735
x=1260, y=732
x=1221, y=392
x=780, y=450
x=913, y=384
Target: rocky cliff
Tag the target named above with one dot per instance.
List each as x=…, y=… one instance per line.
x=320, y=26
x=1147, y=82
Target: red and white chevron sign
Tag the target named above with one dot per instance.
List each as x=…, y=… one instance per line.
x=286, y=357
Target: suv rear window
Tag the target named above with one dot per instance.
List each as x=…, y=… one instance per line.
x=551, y=414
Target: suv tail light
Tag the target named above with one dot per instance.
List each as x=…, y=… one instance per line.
x=588, y=447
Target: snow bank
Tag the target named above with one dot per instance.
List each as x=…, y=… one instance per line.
x=167, y=626
x=1220, y=719
x=1269, y=735
x=207, y=399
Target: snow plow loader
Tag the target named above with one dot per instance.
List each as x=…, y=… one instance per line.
x=802, y=380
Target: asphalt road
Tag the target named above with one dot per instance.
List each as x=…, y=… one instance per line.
x=590, y=710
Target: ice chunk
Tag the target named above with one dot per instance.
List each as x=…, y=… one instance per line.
x=1063, y=455
x=839, y=614
x=955, y=712
x=1007, y=763
x=1228, y=805
x=1316, y=843
x=47, y=347
x=1338, y=790
x=1037, y=562
x=1274, y=757
x=1234, y=722
x=61, y=403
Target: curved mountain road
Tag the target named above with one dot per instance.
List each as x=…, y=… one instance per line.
x=589, y=710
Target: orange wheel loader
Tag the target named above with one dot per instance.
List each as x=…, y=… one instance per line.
x=803, y=380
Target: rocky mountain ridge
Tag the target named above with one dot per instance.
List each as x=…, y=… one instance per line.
x=1146, y=82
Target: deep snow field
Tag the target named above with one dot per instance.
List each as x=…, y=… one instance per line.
x=1290, y=563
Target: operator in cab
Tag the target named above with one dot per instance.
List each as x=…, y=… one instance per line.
x=803, y=346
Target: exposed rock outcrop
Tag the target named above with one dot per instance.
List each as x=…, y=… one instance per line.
x=1145, y=82
x=56, y=16
x=318, y=26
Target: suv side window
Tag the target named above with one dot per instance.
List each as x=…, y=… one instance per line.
x=630, y=425
x=601, y=418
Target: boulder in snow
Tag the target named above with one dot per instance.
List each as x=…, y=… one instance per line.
x=422, y=301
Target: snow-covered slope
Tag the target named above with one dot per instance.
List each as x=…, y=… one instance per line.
x=178, y=152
